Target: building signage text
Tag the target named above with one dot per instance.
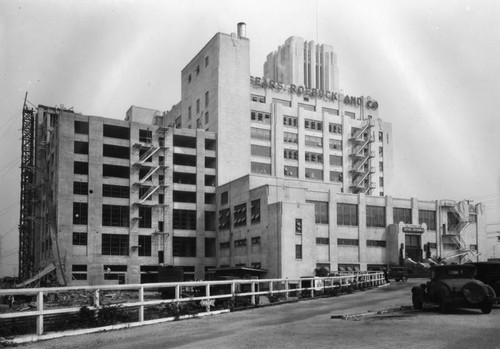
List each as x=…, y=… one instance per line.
x=313, y=92
x=413, y=229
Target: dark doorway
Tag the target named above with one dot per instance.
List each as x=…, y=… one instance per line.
x=413, y=247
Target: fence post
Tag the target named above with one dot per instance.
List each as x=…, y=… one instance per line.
x=207, y=293
x=39, y=308
x=141, y=306
x=253, y=292
x=177, y=293
x=286, y=289
x=233, y=292
x=97, y=303
x=270, y=288
x=313, y=284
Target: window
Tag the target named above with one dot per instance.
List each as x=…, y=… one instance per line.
x=381, y=166
x=381, y=136
x=298, y=225
x=320, y=211
x=79, y=272
x=189, y=78
x=145, y=216
x=335, y=128
x=197, y=106
x=307, y=106
x=347, y=242
x=224, y=198
x=347, y=214
x=80, y=167
x=81, y=127
x=80, y=213
x=81, y=147
x=143, y=153
x=291, y=171
x=115, y=151
x=210, y=247
x=473, y=247
x=189, y=113
x=80, y=239
x=335, y=160
x=161, y=226
x=291, y=154
x=290, y=121
x=263, y=118
x=240, y=215
x=313, y=157
x=115, y=171
x=144, y=245
x=322, y=241
x=145, y=136
x=258, y=133
x=197, y=70
x=312, y=141
x=240, y=243
x=376, y=243
x=115, y=272
x=207, y=95
x=428, y=217
x=331, y=111
x=143, y=174
x=336, y=176
x=115, y=216
x=258, y=98
x=282, y=102
x=256, y=240
x=402, y=215
x=298, y=251
x=375, y=216
x=289, y=137
x=255, y=211
x=115, y=245
x=260, y=168
x=80, y=188
x=224, y=245
x=119, y=132
x=335, y=144
x=313, y=125
x=313, y=173
x=206, y=61
x=350, y=114
x=381, y=152
x=259, y=150
x=184, y=246
x=184, y=219
x=224, y=219
x=115, y=191
x=178, y=122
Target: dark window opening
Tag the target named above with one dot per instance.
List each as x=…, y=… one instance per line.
x=145, y=136
x=145, y=216
x=80, y=167
x=115, y=171
x=184, y=246
x=80, y=213
x=144, y=245
x=80, y=239
x=184, y=178
x=184, y=141
x=115, y=216
x=209, y=220
x=209, y=247
x=80, y=188
x=115, y=245
x=115, y=191
x=119, y=132
x=185, y=160
x=184, y=219
x=81, y=147
x=81, y=127
x=115, y=151
x=184, y=196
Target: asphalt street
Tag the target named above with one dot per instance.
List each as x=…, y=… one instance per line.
x=309, y=324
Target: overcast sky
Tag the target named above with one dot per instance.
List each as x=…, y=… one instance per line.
x=434, y=67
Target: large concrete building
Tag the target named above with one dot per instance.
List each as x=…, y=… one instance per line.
x=280, y=174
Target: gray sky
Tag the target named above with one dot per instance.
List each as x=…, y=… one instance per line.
x=434, y=67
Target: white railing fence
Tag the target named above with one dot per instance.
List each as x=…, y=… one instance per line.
x=205, y=293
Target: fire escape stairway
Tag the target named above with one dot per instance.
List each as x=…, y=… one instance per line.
x=455, y=233
x=148, y=194
x=147, y=155
x=366, y=125
x=149, y=174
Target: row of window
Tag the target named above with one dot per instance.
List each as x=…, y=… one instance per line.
x=197, y=70
x=119, y=245
x=239, y=243
x=239, y=214
x=110, y=131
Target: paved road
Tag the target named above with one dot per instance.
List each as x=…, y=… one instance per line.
x=308, y=324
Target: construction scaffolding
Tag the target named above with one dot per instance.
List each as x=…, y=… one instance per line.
x=26, y=216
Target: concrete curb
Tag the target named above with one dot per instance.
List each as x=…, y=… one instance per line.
x=371, y=313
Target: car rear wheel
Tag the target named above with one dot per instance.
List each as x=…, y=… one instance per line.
x=404, y=278
x=486, y=307
x=417, y=302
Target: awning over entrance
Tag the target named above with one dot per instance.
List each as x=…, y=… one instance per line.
x=239, y=272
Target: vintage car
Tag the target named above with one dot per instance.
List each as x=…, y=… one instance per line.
x=489, y=273
x=398, y=273
x=453, y=286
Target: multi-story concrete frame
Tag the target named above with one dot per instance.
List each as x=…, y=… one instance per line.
x=303, y=63
x=118, y=198
x=267, y=126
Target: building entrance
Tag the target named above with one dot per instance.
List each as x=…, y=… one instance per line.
x=413, y=247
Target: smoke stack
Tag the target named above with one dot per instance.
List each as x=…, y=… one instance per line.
x=242, y=30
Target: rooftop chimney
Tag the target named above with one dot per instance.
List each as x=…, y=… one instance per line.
x=242, y=30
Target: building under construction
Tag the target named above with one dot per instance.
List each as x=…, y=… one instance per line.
x=272, y=177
